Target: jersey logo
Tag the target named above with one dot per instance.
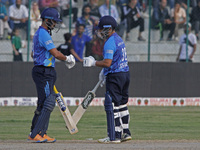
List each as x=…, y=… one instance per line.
x=109, y=51
x=48, y=42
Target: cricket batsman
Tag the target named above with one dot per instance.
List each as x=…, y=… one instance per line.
x=115, y=73
x=44, y=74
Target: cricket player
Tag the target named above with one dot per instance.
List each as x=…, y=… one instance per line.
x=44, y=74
x=116, y=74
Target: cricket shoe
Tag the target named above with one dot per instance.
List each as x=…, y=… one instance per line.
x=49, y=140
x=107, y=140
x=37, y=139
x=126, y=137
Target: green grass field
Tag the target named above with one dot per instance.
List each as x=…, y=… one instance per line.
x=147, y=123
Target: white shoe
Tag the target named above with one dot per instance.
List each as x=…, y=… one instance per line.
x=107, y=140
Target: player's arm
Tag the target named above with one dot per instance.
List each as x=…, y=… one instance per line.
x=109, y=49
x=104, y=63
x=57, y=54
x=70, y=61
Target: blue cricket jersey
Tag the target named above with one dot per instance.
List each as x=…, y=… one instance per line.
x=42, y=43
x=114, y=48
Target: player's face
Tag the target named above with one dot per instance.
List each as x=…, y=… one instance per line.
x=51, y=24
x=103, y=33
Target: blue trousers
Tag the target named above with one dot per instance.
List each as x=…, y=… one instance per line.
x=44, y=78
x=117, y=85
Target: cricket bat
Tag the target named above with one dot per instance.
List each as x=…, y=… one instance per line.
x=85, y=103
x=70, y=124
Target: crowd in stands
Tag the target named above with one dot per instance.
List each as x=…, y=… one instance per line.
x=167, y=15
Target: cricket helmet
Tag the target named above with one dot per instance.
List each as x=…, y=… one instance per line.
x=105, y=24
x=107, y=21
x=51, y=13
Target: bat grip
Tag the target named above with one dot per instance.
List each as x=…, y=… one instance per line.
x=97, y=85
x=55, y=90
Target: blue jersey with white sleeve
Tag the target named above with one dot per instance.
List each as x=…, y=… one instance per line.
x=114, y=48
x=42, y=43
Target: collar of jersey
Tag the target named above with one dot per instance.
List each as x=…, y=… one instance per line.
x=44, y=29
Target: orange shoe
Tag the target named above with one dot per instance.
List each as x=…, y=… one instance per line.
x=37, y=139
x=49, y=140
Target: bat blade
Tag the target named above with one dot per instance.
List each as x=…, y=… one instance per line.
x=85, y=103
x=70, y=124
x=82, y=108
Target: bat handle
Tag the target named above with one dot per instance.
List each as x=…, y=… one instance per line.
x=55, y=90
x=97, y=85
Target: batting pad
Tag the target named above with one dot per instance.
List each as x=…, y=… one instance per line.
x=110, y=117
x=43, y=118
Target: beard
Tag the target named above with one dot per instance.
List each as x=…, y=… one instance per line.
x=18, y=5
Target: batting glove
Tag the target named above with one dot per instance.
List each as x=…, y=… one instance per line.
x=89, y=61
x=70, y=61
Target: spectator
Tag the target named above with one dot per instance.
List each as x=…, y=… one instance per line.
x=89, y=23
x=131, y=18
x=48, y=3
x=97, y=48
x=104, y=10
x=78, y=42
x=196, y=19
x=94, y=13
x=3, y=20
x=171, y=3
x=35, y=18
x=87, y=20
x=178, y=14
x=193, y=3
x=192, y=42
x=17, y=45
x=162, y=21
x=66, y=48
x=65, y=6
x=121, y=3
x=6, y=3
x=18, y=15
